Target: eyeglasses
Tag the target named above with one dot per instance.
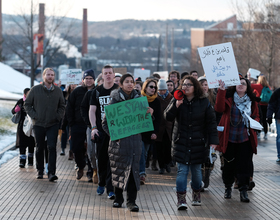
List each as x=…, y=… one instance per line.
x=187, y=85
x=153, y=87
x=244, y=84
x=174, y=76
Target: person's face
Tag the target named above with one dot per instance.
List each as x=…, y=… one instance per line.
x=151, y=88
x=194, y=74
x=188, y=87
x=170, y=86
x=73, y=86
x=128, y=85
x=242, y=89
x=49, y=77
x=205, y=86
x=88, y=81
x=137, y=87
x=162, y=92
x=117, y=80
x=108, y=75
x=174, y=78
x=25, y=95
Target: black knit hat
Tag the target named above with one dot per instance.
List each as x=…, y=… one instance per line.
x=89, y=72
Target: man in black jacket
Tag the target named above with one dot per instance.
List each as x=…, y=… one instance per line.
x=274, y=107
x=76, y=122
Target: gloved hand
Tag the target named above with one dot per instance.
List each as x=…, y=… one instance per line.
x=269, y=121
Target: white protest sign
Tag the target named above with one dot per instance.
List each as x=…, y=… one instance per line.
x=253, y=73
x=219, y=63
x=71, y=76
x=142, y=73
x=163, y=75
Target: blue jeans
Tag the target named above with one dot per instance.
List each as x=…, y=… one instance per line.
x=182, y=175
x=277, y=121
x=142, y=166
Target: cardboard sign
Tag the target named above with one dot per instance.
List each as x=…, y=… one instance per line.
x=253, y=73
x=128, y=118
x=218, y=62
x=71, y=76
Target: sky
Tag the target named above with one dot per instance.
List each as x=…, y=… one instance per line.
x=109, y=10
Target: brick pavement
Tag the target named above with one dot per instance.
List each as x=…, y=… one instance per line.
x=22, y=196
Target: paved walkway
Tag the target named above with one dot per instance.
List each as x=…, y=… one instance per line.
x=22, y=196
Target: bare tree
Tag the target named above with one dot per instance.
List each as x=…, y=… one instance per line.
x=20, y=41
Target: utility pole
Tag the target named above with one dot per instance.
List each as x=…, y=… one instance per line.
x=32, y=48
x=159, y=45
x=172, y=50
x=166, y=49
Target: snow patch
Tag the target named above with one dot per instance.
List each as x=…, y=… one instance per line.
x=8, y=155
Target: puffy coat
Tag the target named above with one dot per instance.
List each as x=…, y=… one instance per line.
x=124, y=155
x=224, y=105
x=194, y=128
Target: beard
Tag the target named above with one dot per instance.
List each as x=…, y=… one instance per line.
x=49, y=81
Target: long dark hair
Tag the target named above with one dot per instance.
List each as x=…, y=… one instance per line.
x=249, y=91
x=198, y=91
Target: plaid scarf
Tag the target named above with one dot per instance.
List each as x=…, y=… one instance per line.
x=244, y=106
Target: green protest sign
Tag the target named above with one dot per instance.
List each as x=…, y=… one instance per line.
x=128, y=118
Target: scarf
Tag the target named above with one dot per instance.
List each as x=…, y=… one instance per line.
x=164, y=95
x=244, y=106
x=150, y=98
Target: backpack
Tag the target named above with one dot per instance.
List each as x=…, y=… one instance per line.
x=266, y=94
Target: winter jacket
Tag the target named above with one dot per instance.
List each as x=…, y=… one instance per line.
x=73, y=111
x=85, y=105
x=194, y=128
x=274, y=105
x=164, y=124
x=45, y=107
x=125, y=154
x=146, y=136
x=224, y=105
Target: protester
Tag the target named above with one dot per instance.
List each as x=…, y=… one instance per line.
x=163, y=141
x=183, y=74
x=175, y=77
x=138, y=85
x=65, y=127
x=23, y=141
x=262, y=83
x=149, y=90
x=117, y=78
x=170, y=86
x=125, y=153
x=77, y=125
x=99, y=81
x=274, y=107
x=101, y=98
x=194, y=74
x=238, y=141
x=194, y=130
x=45, y=105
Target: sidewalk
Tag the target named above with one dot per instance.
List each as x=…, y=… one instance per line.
x=22, y=196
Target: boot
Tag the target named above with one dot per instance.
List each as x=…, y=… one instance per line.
x=196, y=200
x=30, y=161
x=154, y=165
x=62, y=153
x=251, y=184
x=71, y=156
x=95, y=176
x=228, y=193
x=182, y=204
x=22, y=163
x=244, y=196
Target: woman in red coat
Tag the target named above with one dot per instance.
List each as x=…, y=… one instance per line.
x=237, y=141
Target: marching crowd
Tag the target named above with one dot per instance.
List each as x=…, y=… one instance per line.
x=190, y=121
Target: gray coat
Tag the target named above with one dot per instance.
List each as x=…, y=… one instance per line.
x=124, y=155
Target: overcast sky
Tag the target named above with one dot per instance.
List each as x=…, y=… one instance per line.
x=108, y=10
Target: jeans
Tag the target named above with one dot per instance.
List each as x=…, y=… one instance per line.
x=64, y=138
x=182, y=175
x=277, y=121
x=91, y=149
x=40, y=134
x=142, y=165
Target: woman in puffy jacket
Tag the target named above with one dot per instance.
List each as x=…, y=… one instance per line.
x=195, y=129
x=238, y=141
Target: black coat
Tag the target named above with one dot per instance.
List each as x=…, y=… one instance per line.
x=194, y=128
x=274, y=105
x=124, y=155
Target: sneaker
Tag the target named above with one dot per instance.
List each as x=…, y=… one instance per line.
x=133, y=207
x=278, y=160
x=196, y=201
x=142, y=179
x=111, y=195
x=79, y=174
x=100, y=190
x=62, y=153
x=52, y=177
x=161, y=171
